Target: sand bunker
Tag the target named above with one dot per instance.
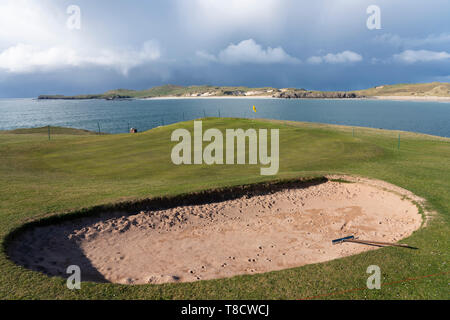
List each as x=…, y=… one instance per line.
x=251, y=234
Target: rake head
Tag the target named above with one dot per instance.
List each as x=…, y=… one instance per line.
x=340, y=240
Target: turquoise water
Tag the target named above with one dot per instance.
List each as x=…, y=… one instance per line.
x=117, y=116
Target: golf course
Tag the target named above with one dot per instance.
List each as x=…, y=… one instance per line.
x=54, y=173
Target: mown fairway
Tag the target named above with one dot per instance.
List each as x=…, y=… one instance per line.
x=76, y=170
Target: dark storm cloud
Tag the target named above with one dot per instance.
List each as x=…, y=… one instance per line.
x=132, y=44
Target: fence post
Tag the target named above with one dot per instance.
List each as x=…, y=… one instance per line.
x=49, y=132
x=353, y=132
x=204, y=113
x=98, y=124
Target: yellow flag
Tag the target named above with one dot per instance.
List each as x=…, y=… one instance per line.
x=254, y=108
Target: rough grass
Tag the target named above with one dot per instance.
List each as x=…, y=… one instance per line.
x=71, y=172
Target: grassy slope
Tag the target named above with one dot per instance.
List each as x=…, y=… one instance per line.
x=40, y=177
x=437, y=89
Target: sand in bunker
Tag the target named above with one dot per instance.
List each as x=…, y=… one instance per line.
x=247, y=235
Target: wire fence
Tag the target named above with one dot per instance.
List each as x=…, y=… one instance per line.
x=114, y=126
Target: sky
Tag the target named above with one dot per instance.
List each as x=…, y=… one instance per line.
x=85, y=46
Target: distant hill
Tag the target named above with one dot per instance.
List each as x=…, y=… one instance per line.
x=172, y=91
x=433, y=89
x=53, y=131
x=437, y=89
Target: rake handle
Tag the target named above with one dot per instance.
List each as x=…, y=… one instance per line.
x=377, y=243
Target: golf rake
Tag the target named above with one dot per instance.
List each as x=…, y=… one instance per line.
x=370, y=243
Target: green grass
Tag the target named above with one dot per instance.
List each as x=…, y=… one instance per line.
x=39, y=178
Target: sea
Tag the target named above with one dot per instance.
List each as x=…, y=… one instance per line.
x=118, y=116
